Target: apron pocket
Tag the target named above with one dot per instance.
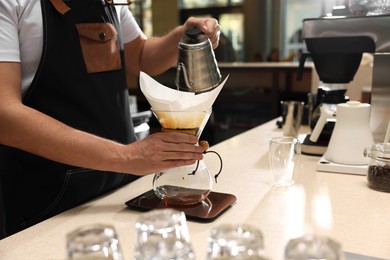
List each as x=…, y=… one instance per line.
x=99, y=45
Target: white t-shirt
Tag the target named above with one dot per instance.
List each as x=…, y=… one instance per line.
x=21, y=34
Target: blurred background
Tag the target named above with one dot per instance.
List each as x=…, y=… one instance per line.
x=259, y=49
x=253, y=28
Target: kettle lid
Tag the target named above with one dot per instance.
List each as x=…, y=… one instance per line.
x=194, y=39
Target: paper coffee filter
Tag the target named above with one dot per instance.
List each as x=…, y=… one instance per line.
x=161, y=97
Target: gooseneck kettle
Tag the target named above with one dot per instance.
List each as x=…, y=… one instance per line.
x=197, y=69
x=351, y=134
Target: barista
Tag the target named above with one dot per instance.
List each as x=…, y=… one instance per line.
x=66, y=135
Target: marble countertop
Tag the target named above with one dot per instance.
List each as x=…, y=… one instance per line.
x=340, y=206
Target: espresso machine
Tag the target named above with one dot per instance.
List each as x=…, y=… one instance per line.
x=336, y=45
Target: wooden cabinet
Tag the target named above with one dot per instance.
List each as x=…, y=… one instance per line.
x=250, y=97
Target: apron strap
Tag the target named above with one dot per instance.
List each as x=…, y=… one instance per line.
x=60, y=6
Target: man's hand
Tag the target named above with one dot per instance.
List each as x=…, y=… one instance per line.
x=209, y=26
x=161, y=151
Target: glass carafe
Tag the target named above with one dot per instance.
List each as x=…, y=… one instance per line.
x=186, y=185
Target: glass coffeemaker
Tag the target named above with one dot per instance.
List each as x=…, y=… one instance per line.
x=185, y=185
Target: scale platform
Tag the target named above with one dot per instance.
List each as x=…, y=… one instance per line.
x=213, y=206
x=324, y=165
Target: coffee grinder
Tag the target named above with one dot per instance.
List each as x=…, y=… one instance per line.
x=336, y=45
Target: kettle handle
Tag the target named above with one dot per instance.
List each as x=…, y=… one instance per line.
x=325, y=114
x=182, y=67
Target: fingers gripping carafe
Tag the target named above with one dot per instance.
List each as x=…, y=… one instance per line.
x=185, y=185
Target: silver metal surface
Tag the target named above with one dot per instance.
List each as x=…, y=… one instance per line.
x=197, y=69
x=375, y=27
x=380, y=96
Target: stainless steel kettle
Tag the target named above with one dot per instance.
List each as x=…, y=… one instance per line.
x=197, y=69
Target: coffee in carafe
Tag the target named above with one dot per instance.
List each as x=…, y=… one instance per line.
x=185, y=185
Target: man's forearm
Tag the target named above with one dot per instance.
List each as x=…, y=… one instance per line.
x=162, y=49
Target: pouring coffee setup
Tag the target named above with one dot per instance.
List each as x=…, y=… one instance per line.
x=234, y=209
x=186, y=109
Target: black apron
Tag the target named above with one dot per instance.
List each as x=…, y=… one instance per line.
x=81, y=82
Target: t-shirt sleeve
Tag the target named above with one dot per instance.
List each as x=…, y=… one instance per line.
x=9, y=41
x=129, y=26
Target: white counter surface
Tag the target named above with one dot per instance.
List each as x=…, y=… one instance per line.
x=338, y=205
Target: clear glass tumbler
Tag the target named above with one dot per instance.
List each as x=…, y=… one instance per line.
x=284, y=154
x=313, y=247
x=95, y=241
x=239, y=241
x=162, y=234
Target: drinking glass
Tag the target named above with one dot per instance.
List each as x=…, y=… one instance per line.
x=162, y=234
x=313, y=247
x=95, y=241
x=239, y=241
x=284, y=153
